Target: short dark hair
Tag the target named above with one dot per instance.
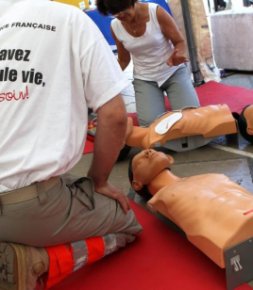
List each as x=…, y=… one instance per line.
x=107, y=7
x=242, y=124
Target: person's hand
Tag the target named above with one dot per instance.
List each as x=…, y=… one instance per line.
x=177, y=58
x=113, y=192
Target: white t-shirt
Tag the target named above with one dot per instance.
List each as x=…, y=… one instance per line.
x=54, y=64
x=149, y=51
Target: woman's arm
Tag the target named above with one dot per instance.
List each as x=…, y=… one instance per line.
x=172, y=33
x=123, y=55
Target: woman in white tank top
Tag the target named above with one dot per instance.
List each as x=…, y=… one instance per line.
x=147, y=34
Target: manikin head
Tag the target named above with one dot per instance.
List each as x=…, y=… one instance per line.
x=145, y=166
x=245, y=121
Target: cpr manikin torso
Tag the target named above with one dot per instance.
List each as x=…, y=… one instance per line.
x=214, y=212
x=209, y=121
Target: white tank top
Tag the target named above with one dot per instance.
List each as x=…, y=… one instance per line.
x=150, y=51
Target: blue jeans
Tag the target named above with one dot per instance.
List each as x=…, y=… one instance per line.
x=150, y=97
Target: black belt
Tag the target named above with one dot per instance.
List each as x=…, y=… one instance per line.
x=27, y=192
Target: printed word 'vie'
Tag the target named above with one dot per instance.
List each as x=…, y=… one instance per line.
x=29, y=76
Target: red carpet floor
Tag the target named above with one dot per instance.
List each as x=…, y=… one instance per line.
x=89, y=146
x=161, y=259
x=214, y=93
x=217, y=93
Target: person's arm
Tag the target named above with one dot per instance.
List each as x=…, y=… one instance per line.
x=123, y=55
x=172, y=33
x=110, y=137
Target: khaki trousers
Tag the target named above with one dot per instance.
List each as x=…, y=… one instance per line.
x=70, y=211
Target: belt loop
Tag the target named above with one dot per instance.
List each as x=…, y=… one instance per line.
x=42, y=194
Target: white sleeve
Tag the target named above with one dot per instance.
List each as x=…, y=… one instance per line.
x=103, y=77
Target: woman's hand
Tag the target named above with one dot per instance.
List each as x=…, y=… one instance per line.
x=177, y=58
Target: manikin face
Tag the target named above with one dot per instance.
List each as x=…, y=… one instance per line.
x=148, y=164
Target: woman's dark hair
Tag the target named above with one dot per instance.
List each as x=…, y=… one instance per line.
x=242, y=124
x=107, y=7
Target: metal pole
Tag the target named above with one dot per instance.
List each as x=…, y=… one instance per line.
x=197, y=77
x=216, y=5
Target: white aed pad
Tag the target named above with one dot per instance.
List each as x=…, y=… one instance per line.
x=164, y=125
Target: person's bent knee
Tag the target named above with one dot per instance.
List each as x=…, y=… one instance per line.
x=132, y=226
